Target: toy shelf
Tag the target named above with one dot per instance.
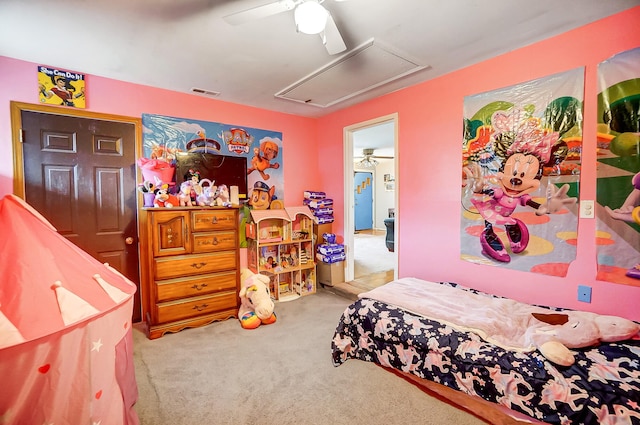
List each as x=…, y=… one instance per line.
x=280, y=246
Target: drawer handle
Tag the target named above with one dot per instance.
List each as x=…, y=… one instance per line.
x=215, y=240
x=198, y=265
x=199, y=288
x=214, y=219
x=200, y=307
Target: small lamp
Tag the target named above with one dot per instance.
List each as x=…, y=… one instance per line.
x=310, y=17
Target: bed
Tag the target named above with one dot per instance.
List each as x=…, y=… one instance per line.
x=502, y=386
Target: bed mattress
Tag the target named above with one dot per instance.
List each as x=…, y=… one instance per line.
x=602, y=387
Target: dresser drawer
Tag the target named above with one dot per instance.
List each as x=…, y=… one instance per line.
x=206, y=220
x=196, y=264
x=172, y=289
x=198, y=306
x=214, y=241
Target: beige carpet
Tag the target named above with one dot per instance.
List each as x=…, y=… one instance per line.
x=371, y=255
x=280, y=374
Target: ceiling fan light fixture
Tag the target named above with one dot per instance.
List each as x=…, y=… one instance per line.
x=310, y=17
x=368, y=163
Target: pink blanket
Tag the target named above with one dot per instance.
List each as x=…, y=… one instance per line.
x=504, y=322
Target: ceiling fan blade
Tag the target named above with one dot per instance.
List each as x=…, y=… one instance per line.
x=260, y=12
x=331, y=37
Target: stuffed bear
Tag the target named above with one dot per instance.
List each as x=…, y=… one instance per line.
x=256, y=306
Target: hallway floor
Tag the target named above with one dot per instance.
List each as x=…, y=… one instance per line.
x=371, y=252
x=362, y=284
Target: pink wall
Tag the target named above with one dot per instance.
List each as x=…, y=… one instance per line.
x=429, y=121
x=430, y=136
x=120, y=98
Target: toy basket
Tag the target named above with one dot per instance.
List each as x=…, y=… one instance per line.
x=152, y=168
x=164, y=174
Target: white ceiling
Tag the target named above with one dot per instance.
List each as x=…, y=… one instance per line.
x=185, y=44
x=380, y=138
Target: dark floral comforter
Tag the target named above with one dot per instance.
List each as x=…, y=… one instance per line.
x=602, y=387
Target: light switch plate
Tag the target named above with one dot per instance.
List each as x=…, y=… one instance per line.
x=587, y=209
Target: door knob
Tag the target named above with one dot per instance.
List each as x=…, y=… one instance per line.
x=129, y=240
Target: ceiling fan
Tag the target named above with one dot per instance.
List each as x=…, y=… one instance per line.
x=368, y=158
x=309, y=15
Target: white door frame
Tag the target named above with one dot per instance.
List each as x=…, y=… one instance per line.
x=349, y=216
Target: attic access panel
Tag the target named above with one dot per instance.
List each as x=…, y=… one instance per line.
x=368, y=66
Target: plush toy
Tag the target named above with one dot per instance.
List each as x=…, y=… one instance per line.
x=184, y=196
x=222, y=199
x=504, y=322
x=577, y=329
x=164, y=199
x=256, y=306
x=207, y=197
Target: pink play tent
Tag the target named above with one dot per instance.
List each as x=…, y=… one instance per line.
x=66, y=354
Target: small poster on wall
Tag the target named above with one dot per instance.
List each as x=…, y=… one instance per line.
x=61, y=87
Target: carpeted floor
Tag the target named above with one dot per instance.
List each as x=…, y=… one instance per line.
x=275, y=375
x=371, y=254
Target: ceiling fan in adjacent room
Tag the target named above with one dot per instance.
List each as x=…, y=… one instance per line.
x=368, y=159
x=309, y=15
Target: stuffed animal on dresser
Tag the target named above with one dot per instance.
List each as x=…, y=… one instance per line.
x=165, y=199
x=208, y=195
x=184, y=196
x=256, y=305
x=222, y=199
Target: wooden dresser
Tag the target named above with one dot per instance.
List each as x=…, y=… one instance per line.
x=190, y=263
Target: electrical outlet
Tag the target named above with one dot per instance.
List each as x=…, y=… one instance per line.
x=587, y=209
x=584, y=293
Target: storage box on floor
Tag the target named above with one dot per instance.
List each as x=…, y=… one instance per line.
x=331, y=255
x=330, y=274
x=327, y=273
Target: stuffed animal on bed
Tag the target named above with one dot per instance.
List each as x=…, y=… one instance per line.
x=576, y=329
x=505, y=322
x=256, y=306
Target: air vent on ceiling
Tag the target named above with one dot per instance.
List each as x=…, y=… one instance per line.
x=368, y=66
x=205, y=92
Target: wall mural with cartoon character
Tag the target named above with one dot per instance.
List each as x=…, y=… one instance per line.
x=521, y=164
x=618, y=156
x=165, y=138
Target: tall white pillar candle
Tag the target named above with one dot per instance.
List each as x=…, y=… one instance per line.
x=235, y=200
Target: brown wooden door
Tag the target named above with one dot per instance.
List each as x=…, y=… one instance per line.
x=80, y=174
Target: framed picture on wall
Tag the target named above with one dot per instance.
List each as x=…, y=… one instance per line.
x=61, y=87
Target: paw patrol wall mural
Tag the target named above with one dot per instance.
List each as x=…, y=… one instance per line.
x=217, y=152
x=618, y=156
x=520, y=172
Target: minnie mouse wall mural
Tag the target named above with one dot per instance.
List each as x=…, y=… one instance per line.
x=522, y=148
